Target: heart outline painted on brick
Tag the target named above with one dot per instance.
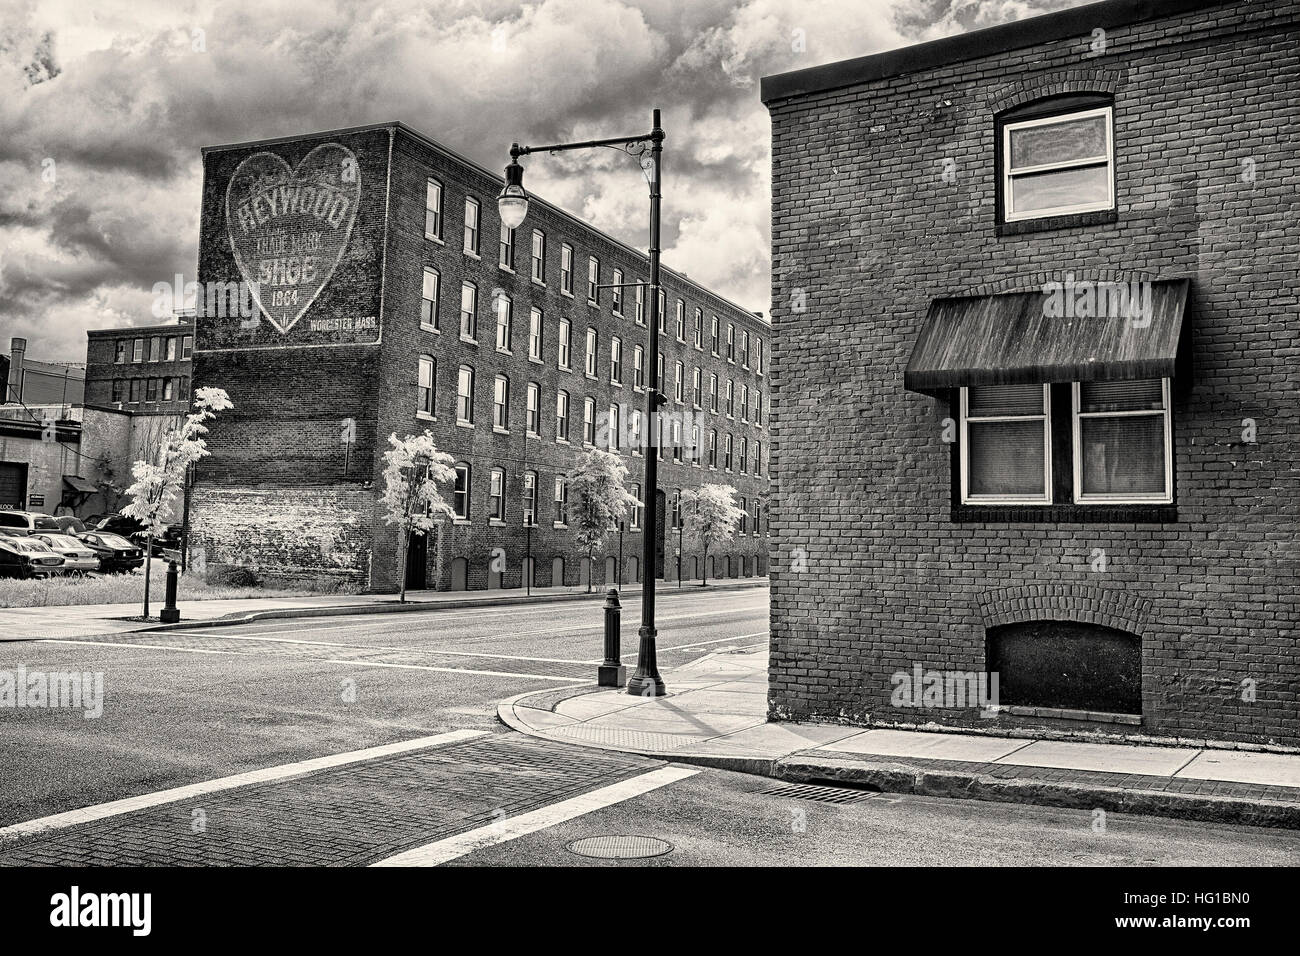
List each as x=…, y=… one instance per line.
x=324, y=190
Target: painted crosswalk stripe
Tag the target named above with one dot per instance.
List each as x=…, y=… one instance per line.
x=434, y=854
x=265, y=775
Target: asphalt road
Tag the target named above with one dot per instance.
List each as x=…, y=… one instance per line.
x=189, y=706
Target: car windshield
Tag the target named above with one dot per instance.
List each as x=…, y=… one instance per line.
x=27, y=544
x=44, y=523
x=61, y=541
x=115, y=541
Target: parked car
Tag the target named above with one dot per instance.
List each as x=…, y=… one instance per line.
x=116, y=524
x=115, y=553
x=28, y=522
x=78, y=556
x=26, y=557
x=70, y=524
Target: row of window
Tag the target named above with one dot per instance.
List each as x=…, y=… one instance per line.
x=156, y=348
x=1119, y=450
x=165, y=389
x=740, y=347
x=499, y=510
x=619, y=430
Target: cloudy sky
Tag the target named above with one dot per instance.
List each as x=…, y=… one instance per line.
x=105, y=105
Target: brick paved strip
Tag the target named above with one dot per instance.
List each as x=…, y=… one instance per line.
x=434, y=854
x=265, y=775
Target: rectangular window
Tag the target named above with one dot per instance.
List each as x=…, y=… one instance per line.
x=1122, y=442
x=593, y=280
x=534, y=424
x=506, y=249
x=171, y=348
x=565, y=343
x=638, y=367
x=681, y=321
x=465, y=396
x=636, y=508
x=501, y=403
x=713, y=448
x=497, y=494
x=123, y=347
x=424, y=395
x=505, y=320
x=1058, y=165
x=758, y=407
x=429, y=299
x=137, y=351
x=744, y=403
x=731, y=398
x=155, y=348
x=535, y=334
x=152, y=395
x=433, y=209
x=744, y=348
x=615, y=428
x=742, y=456
x=187, y=346
x=695, y=445
x=471, y=225
x=758, y=356
x=562, y=416
x=699, y=329
x=714, y=331
x=758, y=457
x=530, y=499
x=726, y=451
x=744, y=516
x=119, y=390
x=679, y=382
x=589, y=421
x=137, y=390
x=640, y=305
x=618, y=292
x=590, y=358
x=731, y=342
x=566, y=269
x=697, y=387
x=660, y=381
x=460, y=493
x=1006, y=444
x=468, y=310
x=662, y=309
x=616, y=361
x=561, y=500
x=677, y=439
x=539, y=256
x=635, y=437
x=713, y=393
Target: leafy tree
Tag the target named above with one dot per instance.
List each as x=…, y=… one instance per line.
x=712, y=516
x=598, y=499
x=413, y=469
x=158, y=482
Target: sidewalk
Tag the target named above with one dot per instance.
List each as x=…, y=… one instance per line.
x=715, y=715
x=71, y=621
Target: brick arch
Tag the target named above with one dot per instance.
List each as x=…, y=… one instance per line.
x=1084, y=603
x=1080, y=79
x=1034, y=282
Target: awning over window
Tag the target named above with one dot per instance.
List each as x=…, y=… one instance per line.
x=83, y=485
x=1080, y=332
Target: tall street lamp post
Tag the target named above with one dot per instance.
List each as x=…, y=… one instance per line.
x=513, y=206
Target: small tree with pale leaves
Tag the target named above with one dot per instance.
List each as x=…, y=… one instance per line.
x=712, y=516
x=598, y=499
x=158, y=482
x=413, y=469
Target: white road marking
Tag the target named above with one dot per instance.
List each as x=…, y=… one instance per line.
x=376, y=647
x=266, y=774
x=720, y=640
x=434, y=854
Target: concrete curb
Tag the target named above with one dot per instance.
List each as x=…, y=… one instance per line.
x=429, y=606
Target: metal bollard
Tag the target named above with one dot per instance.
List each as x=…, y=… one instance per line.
x=170, y=613
x=612, y=673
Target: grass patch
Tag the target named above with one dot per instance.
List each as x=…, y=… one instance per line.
x=129, y=589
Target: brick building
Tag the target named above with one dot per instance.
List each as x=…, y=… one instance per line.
x=144, y=368
x=1035, y=404
x=392, y=302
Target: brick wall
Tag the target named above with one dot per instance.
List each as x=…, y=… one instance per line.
x=871, y=575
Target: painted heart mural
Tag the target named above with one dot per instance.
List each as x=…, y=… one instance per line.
x=289, y=227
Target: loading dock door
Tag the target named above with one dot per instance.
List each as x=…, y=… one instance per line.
x=13, y=485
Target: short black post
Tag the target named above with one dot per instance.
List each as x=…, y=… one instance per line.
x=170, y=613
x=612, y=673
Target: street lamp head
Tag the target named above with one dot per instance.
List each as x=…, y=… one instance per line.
x=512, y=203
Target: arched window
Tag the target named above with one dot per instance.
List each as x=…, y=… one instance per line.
x=427, y=382
x=465, y=395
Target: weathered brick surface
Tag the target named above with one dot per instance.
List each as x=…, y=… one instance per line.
x=870, y=574
x=277, y=459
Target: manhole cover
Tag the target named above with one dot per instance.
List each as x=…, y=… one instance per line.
x=805, y=791
x=616, y=847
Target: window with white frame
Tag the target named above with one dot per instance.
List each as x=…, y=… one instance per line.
x=187, y=346
x=679, y=382
x=681, y=321
x=460, y=492
x=1123, y=441
x=501, y=403
x=429, y=299
x=497, y=495
x=731, y=398
x=471, y=225
x=564, y=345
x=758, y=457
x=638, y=367
x=714, y=333
x=699, y=329
x=758, y=406
x=743, y=505
x=589, y=421
x=640, y=304
x=433, y=209
x=539, y=256
x=742, y=455
x=427, y=381
x=713, y=393
x=695, y=445
x=562, y=416
x=530, y=499
x=535, y=319
x=468, y=310
x=593, y=280
x=726, y=451
x=465, y=396
x=616, y=361
x=566, y=269
x=659, y=381
x=617, y=304
x=635, y=437
x=534, y=409
x=697, y=386
x=744, y=348
x=1058, y=165
x=561, y=500
x=758, y=356
x=505, y=319
x=506, y=254
x=662, y=311
x=677, y=439
x=744, y=403
x=731, y=342
x=1006, y=444
x=615, y=428
x=589, y=364
x=636, y=508
x=713, y=448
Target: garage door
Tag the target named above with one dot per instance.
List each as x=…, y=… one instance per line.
x=13, y=485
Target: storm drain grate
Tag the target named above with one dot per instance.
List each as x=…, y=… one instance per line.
x=620, y=847
x=807, y=791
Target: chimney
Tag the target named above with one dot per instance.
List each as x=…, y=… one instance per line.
x=17, y=354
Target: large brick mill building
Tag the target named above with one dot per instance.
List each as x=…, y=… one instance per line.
x=1036, y=362
x=393, y=302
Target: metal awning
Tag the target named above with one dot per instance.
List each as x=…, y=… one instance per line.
x=83, y=485
x=1078, y=332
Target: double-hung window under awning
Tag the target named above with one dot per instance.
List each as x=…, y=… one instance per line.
x=1067, y=332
